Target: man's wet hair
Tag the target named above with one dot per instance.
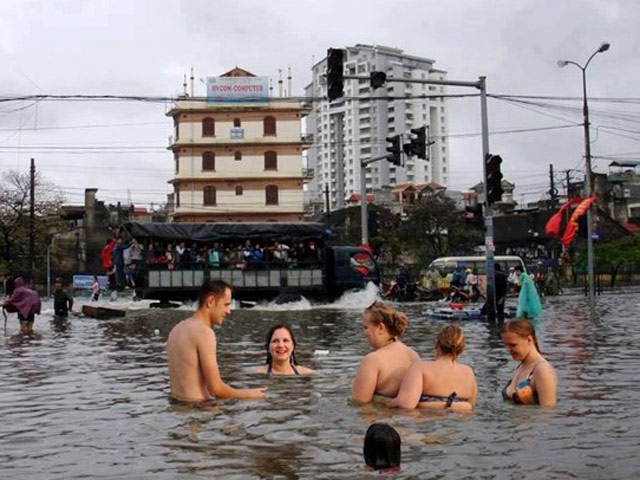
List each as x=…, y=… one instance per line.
x=217, y=288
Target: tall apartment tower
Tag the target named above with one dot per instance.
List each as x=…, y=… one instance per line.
x=354, y=128
x=238, y=153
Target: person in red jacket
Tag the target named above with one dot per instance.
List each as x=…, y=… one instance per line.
x=107, y=255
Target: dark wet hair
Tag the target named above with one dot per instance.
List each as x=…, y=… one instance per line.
x=217, y=288
x=380, y=312
x=381, y=447
x=523, y=328
x=267, y=342
x=451, y=340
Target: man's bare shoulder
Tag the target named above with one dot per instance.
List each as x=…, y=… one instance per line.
x=192, y=328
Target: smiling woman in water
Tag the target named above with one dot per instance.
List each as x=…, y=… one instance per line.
x=280, y=345
x=534, y=379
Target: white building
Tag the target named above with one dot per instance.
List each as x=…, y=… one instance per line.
x=354, y=128
x=238, y=159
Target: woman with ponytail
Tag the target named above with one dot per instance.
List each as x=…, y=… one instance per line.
x=442, y=383
x=381, y=371
x=280, y=345
x=534, y=380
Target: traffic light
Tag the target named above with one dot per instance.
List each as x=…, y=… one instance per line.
x=419, y=143
x=377, y=79
x=335, y=73
x=395, y=153
x=494, y=178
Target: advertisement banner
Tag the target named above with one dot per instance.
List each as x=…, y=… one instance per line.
x=237, y=89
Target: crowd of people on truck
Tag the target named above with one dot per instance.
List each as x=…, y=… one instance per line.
x=392, y=373
x=123, y=261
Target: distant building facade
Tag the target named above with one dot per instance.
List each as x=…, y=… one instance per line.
x=352, y=129
x=237, y=153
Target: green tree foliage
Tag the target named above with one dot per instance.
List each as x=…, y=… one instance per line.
x=15, y=219
x=435, y=228
x=611, y=256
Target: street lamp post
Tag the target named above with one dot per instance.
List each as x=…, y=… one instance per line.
x=587, y=160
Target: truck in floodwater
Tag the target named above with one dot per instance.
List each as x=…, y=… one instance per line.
x=261, y=260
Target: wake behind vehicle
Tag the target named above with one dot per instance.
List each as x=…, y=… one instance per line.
x=261, y=260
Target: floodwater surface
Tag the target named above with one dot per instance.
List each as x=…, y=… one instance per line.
x=85, y=398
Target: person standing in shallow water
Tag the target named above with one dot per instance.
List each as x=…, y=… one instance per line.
x=62, y=301
x=26, y=303
x=529, y=305
x=281, y=359
x=191, y=351
x=381, y=371
x=534, y=379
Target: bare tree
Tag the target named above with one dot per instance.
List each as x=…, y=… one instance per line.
x=14, y=217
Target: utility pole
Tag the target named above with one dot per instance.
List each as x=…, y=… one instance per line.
x=339, y=144
x=327, y=198
x=552, y=189
x=32, y=214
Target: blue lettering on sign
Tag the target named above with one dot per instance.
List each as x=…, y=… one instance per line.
x=85, y=281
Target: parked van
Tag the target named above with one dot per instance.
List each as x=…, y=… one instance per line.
x=448, y=265
x=476, y=263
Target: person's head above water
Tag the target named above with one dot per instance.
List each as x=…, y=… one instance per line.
x=280, y=344
x=382, y=447
x=214, y=300
x=450, y=341
x=380, y=313
x=519, y=335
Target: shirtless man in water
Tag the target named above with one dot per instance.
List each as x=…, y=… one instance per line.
x=191, y=351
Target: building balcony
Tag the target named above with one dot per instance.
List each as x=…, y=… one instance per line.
x=308, y=173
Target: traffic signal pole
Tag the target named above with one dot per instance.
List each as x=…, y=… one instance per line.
x=488, y=211
x=489, y=244
x=364, y=212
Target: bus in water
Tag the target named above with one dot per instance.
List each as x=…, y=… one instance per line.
x=477, y=264
x=262, y=260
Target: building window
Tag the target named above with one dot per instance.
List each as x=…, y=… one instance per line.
x=237, y=155
x=209, y=196
x=177, y=193
x=237, y=123
x=208, y=127
x=272, y=195
x=208, y=161
x=176, y=128
x=270, y=160
x=269, y=126
x=239, y=190
x=177, y=159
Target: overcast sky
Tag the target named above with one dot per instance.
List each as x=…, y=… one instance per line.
x=135, y=47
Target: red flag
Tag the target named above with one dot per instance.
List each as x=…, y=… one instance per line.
x=572, y=226
x=553, y=225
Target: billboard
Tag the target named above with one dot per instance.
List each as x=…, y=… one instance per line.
x=237, y=89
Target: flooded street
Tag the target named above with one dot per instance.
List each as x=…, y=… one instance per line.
x=89, y=399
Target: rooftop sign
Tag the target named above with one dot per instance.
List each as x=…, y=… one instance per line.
x=237, y=89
